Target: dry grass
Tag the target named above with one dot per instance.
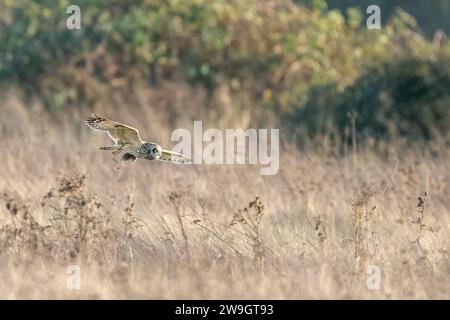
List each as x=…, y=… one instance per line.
x=156, y=230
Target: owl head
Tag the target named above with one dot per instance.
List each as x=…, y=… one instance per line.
x=151, y=150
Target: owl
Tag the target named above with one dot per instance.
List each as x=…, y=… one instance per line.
x=127, y=140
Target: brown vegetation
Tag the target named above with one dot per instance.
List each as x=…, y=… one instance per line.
x=158, y=230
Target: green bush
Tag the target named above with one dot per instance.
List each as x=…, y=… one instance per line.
x=275, y=52
x=406, y=98
x=306, y=63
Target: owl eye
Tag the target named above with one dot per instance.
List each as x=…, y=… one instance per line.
x=154, y=150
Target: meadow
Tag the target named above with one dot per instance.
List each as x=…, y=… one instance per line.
x=360, y=205
x=157, y=230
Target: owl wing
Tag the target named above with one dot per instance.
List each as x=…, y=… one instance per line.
x=173, y=156
x=120, y=133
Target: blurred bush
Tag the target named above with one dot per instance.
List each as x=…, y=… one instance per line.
x=302, y=63
x=406, y=98
x=430, y=15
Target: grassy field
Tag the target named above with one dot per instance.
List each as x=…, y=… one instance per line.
x=158, y=230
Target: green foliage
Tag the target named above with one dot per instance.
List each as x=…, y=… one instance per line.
x=430, y=15
x=298, y=60
x=406, y=98
x=280, y=48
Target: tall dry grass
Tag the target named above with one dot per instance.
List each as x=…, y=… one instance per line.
x=157, y=230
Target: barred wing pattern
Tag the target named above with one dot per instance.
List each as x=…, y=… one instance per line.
x=127, y=140
x=173, y=156
x=120, y=133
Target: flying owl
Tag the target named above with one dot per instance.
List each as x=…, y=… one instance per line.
x=127, y=140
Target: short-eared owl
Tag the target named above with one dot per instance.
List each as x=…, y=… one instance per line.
x=127, y=140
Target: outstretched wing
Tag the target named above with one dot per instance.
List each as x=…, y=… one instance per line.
x=173, y=156
x=120, y=133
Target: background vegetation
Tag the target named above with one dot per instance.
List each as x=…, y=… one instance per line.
x=299, y=61
x=364, y=175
